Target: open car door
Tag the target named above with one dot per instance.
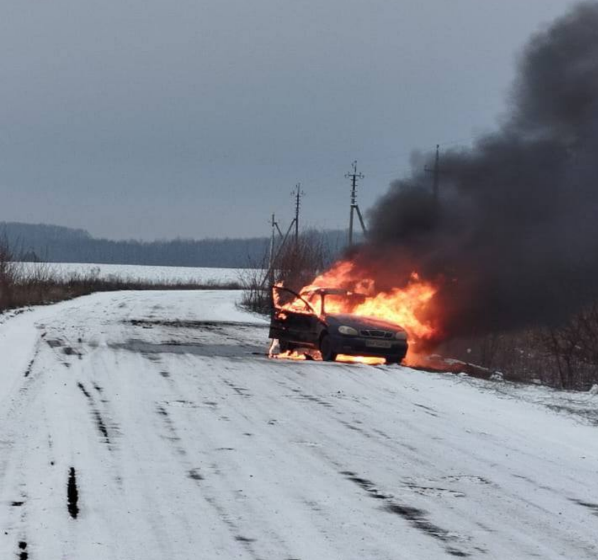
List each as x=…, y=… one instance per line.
x=294, y=322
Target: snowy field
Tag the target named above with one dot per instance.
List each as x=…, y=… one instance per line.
x=151, y=426
x=158, y=274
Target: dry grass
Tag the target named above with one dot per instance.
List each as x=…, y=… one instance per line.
x=564, y=358
x=42, y=286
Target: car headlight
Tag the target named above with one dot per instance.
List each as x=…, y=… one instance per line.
x=401, y=335
x=349, y=331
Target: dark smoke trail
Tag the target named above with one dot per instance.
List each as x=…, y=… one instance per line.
x=515, y=232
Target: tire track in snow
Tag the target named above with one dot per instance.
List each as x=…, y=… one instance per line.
x=23, y=554
x=209, y=482
x=416, y=517
x=372, y=434
x=99, y=420
x=72, y=494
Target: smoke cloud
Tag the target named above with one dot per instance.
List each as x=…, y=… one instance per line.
x=514, y=235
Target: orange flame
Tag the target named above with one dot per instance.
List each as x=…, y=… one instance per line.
x=403, y=306
x=289, y=355
x=368, y=360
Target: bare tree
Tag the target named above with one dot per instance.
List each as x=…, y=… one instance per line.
x=7, y=276
x=294, y=264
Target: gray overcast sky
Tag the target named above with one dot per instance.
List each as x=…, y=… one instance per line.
x=152, y=119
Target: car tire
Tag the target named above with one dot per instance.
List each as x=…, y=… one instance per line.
x=326, y=349
x=395, y=359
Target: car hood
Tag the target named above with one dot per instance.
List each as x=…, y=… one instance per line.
x=358, y=323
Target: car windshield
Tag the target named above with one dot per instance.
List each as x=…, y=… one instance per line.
x=342, y=302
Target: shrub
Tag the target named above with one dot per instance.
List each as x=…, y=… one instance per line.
x=294, y=264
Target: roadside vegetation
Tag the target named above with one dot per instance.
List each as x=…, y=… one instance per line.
x=23, y=286
x=294, y=263
x=564, y=357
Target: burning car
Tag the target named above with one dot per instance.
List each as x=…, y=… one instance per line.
x=311, y=319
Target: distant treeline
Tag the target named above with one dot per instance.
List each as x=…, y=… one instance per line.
x=61, y=244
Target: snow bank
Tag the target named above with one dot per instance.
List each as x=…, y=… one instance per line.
x=162, y=274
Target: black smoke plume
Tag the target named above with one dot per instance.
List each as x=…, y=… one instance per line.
x=514, y=234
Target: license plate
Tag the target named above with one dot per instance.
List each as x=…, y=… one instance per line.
x=378, y=344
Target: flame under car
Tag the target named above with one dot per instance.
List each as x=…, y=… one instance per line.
x=310, y=320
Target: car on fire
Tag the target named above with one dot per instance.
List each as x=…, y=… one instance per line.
x=309, y=320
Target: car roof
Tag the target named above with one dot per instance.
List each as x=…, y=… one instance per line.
x=333, y=291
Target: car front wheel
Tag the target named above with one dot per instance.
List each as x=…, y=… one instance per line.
x=396, y=359
x=326, y=349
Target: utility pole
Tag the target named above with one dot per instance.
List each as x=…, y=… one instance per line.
x=275, y=229
x=297, y=193
x=273, y=250
x=276, y=251
x=274, y=225
x=435, y=171
x=354, y=176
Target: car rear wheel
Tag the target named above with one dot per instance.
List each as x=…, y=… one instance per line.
x=326, y=349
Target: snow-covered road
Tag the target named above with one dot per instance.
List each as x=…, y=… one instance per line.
x=150, y=426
